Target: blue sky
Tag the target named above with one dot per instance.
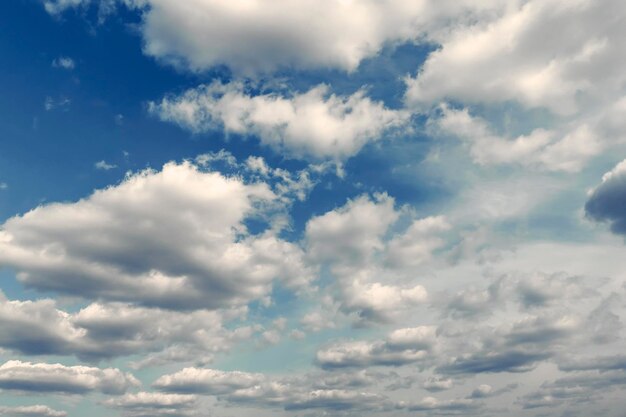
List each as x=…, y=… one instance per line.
x=312, y=208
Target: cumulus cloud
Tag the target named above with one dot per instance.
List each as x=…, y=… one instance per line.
x=264, y=36
x=545, y=149
x=448, y=406
x=519, y=56
x=145, y=404
x=103, y=331
x=56, y=378
x=31, y=411
x=207, y=381
x=514, y=348
x=532, y=291
x=174, y=238
x=314, y=124
x=437, y=384
x=606, y=202
x=400, y=347
x=311, y=391
x=374, y=273
x=350, y=234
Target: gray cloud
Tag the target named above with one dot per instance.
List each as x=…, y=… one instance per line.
x=173, y=239
x=600, y=363
x=101, y=331
x=517, y=348
x=607, y=201
x=57, y=378
x=31, y=411
x=207, y=381
x=400, y=347
x=270, y=36
x=311, y=391
x=431, y=404
x=149, y=404
x=315, y=124
x=575, y=390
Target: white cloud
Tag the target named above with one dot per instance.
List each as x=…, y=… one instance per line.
x=417, y=244
x=103, y=165
x=173, y=239
x=31, y=411
x=64, y=62
x=56, y=378
x=400, y=347
x=310, y=391
x=437, y=384
x=374, y=273
x=545, y=149
x=207, y=381
x=155, y=404
x=314, y=124
x=263, y=36
x=350, y=234
x=103, y=331
x=518, y=55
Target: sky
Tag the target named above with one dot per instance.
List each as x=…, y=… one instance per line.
x=312, y=208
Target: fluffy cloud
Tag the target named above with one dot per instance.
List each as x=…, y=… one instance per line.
x=312, y=391
x=102, y=331
x=607, y=201
x=57, y=378
x=207, y=381
x=263, y=36
x=350, y=234
x=530, y=291
x=374, y=273
x=35, y=327
x=546, y=149
x=31, y=411
x=174, y=239
x=460, y=406
x=311, y=124
x=401, y=347
x=149, y=404
x=519, y=56
x=514, y=348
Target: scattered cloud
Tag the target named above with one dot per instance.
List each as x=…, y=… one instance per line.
x=606, y=202
x=64, y=62
x=31, y=411
x=62, y=103
x=144, y=404
x=400, y=347
x=314, y=124
x=56, y=378
x=173, y=238
x=103, y=165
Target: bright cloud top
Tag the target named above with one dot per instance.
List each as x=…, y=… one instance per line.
x=314, y=124
x=520, y=56
x=174, y=239
x=261, y=36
